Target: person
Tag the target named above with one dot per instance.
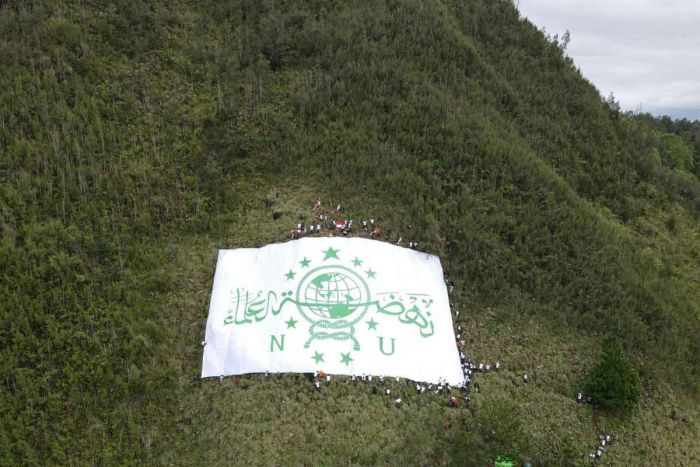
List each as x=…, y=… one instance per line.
x=338, y=208
x=398, y=242
x=317, y=385
x=204, y=343
x=328, y=378
x=579, y=397
x=318, y=205
x=398, y=401
x=353, y=378
x=376, y=231
x=487, y=367
x=525, y=378
x=398, y=378
x=311, y=229
x=221, y=379
x=381, y=378
x=388, y=391
x=498, y=365
x=364, y=225
x=417, y=387
x=371, y=221
x=318, y=228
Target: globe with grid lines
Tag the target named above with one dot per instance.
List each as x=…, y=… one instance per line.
x=332, y=293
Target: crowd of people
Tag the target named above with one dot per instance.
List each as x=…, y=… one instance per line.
x=331, y=222
x=604, y=441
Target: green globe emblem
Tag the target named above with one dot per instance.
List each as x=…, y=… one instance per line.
x=332, y=298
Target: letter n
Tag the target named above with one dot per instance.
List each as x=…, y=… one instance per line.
x=277, y=342
x=381, y=346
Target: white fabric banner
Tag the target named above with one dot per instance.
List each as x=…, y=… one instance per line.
x=340, y=305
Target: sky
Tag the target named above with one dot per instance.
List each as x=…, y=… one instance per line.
x=646, y=52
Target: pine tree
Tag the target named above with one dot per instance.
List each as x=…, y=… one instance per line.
x=613, y=383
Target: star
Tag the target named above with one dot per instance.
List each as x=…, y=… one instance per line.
x=357, y=262
x=345, y=358
x=305, y=262
x=330, y=253
x=318, y=357
x=370, y=273
x=290, y=275
x=291, y=323
x=372, y=324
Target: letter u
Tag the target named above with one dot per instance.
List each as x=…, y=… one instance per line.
x=381, y=346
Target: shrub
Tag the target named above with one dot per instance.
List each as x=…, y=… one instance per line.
x=613, y=384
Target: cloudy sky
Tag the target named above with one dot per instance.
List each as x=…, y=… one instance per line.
x=646, y=52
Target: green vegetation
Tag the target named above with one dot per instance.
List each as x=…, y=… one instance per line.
x=138, y=137
x=613, y=383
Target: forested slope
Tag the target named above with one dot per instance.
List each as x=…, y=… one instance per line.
x=137, y=137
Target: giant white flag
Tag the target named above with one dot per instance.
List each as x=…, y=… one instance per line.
x=340, y=305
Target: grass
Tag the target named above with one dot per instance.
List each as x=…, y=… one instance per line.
x=283, y=420
x=138, y=138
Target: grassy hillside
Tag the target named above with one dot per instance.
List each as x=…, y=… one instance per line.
x=138, y=137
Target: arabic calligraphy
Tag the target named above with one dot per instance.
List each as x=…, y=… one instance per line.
x=413, y=312
x=248, y=307
x=252, y=307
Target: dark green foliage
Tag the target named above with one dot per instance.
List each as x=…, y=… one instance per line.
x=136, y=133
x=496, y=430
x=613, y=383
x=676, y=154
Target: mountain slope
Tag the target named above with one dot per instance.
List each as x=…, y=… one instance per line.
x=139, y=137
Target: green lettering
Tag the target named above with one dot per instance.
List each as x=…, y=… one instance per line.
x=275, y=342
x=381, y=346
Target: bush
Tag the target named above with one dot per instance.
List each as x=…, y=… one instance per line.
x=613, y=384
x=676, y=153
